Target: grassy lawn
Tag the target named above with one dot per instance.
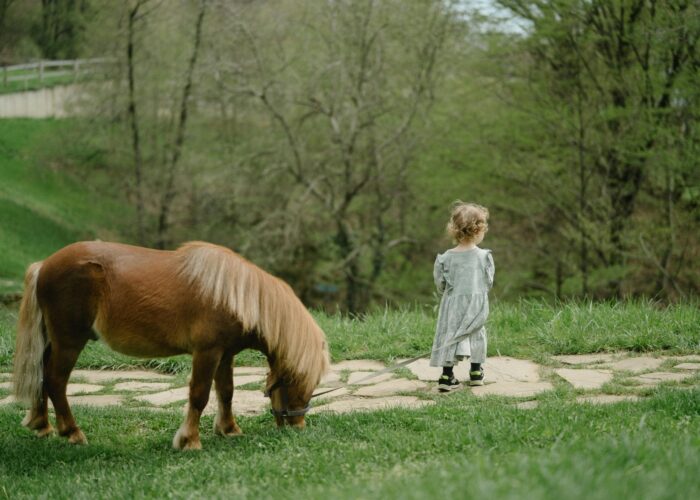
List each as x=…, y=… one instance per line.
x=43, y=209
x=461, y=447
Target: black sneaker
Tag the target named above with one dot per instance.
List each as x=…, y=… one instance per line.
x=447, y=383
x=476, y=377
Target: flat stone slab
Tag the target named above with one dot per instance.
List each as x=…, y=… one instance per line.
x=682, y=366
x=247, y=403
x=391, y=387
x=141, y=386
x=688, y=357
x=604, y=399
x=514, y=389
x=8, y=400
x=331, y=395
x=358, y=364
x=585, y=378
x=6, y=385
x=658, y=377
x=331, y=378
x=82, y=389
x=527, y=405
x=166, y=397
x=584, y=359
x=247, y=379
x=250, y=370
x=102, y=376
x=497, y=369
x=636, y=365
x=358, y=404
x=98, y=400
x=356, y=378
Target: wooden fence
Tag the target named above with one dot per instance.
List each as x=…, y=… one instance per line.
x=41, y=71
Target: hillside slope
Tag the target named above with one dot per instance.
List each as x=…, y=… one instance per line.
x=42, y=208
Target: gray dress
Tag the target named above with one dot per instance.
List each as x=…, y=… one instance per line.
x=464, y=278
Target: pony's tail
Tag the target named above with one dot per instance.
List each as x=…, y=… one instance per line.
x=28, y=373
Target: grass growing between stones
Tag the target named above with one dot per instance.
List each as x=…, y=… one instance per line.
x=462, y=447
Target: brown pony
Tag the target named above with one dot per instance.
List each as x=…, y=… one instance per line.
x=201, y=299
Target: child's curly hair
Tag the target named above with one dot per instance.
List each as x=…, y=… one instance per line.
x=467, y=221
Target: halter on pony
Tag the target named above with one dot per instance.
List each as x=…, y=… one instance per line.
x=285, y=411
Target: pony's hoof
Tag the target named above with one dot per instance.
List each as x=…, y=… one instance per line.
x=230, y=429
x=77, y=437
x=45, y=432
x=35, y=422
x=183, y=442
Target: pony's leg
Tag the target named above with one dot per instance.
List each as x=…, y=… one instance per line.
x=204, y=364
x=61, y=361
x=225, y=423
x=37, y=418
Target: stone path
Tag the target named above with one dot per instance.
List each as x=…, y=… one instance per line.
x=593, y=376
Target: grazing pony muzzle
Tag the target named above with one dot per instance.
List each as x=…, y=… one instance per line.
x=284, y=411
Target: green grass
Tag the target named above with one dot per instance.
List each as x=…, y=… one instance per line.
x=459, y=448
x=529, y=329
x=41, y=207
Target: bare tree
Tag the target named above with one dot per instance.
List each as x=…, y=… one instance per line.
x=345, y=97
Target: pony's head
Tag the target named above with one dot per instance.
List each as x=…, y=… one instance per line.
x=289, y=400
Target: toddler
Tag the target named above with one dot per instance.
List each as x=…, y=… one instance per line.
x=464, y=276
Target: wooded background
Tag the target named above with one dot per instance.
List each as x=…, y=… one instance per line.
x=325, y=139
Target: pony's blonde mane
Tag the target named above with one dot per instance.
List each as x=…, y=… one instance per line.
x=263, y=303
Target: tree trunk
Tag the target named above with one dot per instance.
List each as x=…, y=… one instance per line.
x=169, y=194
x=135, y=134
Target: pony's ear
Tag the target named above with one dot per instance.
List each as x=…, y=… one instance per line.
x=271, y=383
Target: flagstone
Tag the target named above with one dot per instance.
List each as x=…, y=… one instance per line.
x=355, y=378
x=166, y=397
x=688, y=366
x=498, y=369
x=636, y=365
x=515, y=389
x=102, y=376
x=247, y=379
x=97, y=400
x=602, y=399
x=8, y=400
x=358, y=404
x=244, y=403
x=688, y=357
x=331, y=395
x=658, y=377
x=584, y=359
x=331, y=378
x=73, y=389
x=584, y=378
x=6, y=385
x=391, y=387
x=250, y=370
x=358, y=364
x=141, y=386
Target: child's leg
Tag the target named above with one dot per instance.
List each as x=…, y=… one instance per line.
x=478, y=347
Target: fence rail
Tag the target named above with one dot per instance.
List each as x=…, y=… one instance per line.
x=42, y=70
